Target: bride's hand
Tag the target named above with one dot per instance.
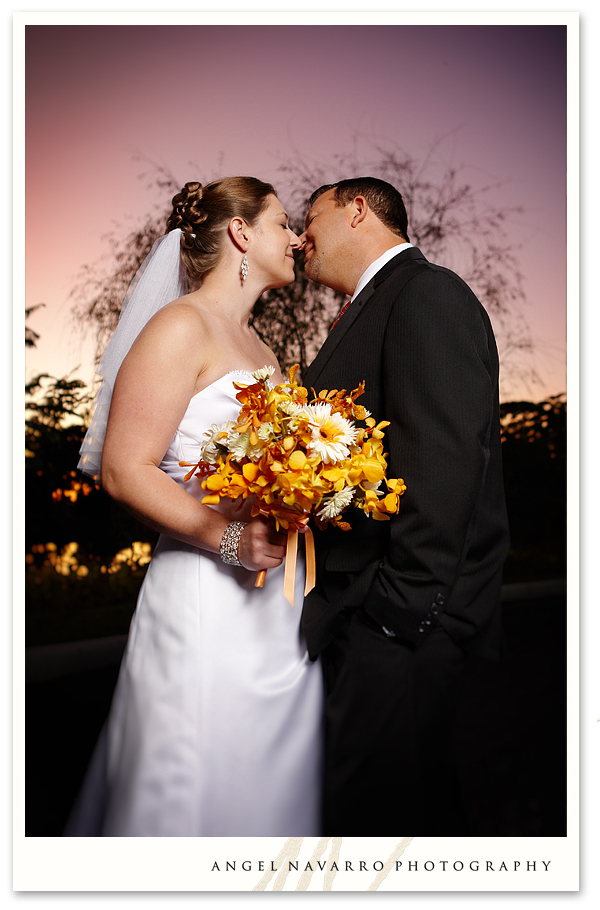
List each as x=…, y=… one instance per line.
x=261, y=546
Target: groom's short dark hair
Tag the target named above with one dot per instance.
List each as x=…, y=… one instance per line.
x=383, y=199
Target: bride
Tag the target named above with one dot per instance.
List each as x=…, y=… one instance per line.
x=215, y=725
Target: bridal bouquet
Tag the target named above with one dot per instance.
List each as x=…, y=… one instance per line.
x=298, y=458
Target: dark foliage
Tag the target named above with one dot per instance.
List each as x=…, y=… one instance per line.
x=81, y=511
x=31, y=337
x=534, y=452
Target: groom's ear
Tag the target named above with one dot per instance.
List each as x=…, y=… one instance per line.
x=238, y=231
x=358, y=210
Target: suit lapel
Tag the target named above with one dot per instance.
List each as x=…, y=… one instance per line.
x=337, y=333
x=357, y=307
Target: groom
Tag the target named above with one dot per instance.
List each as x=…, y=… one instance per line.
x=399, y=604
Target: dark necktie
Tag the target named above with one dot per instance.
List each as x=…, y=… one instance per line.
x=340, y=314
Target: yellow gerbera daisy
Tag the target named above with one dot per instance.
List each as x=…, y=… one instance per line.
x=331, y=434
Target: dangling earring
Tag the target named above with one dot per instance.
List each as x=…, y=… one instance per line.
x=244, y=268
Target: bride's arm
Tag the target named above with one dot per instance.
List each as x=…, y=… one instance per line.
x=152, y=392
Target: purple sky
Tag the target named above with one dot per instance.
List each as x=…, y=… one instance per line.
x=241, y=99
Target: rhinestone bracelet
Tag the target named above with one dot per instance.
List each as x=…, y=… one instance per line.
x=231, y=541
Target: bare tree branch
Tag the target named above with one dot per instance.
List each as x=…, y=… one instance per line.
x=454, y=223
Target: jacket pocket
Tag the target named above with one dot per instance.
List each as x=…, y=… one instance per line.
x=354, y=550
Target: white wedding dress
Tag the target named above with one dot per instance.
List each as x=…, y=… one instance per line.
x=215, y=729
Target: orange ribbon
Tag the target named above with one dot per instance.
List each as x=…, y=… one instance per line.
x=291, y=556
x=290, y=563
x=309, y=552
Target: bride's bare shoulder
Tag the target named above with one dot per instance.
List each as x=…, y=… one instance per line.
x=181, y=317
x=185, y=308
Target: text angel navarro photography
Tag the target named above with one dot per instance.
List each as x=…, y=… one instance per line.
x=359, y=865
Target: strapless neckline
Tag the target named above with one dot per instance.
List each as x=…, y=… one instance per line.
x=221, y=378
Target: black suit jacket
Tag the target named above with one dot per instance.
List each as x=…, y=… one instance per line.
x=424, y=345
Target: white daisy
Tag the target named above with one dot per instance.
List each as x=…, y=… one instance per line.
x=292, y=412
x=291, y=408
x=239, y=445
x=216, y=442
x=334, y=505
x=263, y=374
x=265, y=432
x=315, y=413
x=331, y=436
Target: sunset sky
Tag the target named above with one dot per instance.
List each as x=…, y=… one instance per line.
x=244, y=98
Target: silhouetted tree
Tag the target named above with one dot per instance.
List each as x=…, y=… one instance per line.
x=453, y=223
x=449, y=219
x=61, y=506
x=31, y=337
x=534, y=455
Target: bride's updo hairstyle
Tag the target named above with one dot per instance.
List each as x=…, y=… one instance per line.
x=204, y=212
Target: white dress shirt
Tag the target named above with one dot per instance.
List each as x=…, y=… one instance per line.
x=377, y=265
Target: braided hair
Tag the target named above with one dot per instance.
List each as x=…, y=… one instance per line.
x=204, y=212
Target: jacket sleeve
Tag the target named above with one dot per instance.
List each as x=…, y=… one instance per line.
x=438, y=394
